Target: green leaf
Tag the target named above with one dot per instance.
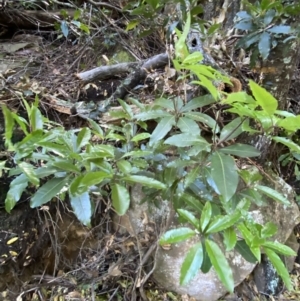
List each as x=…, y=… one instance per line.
x=290, y=123
x=164, y=103
x=279, y=267
x=162, y=129
x=193, y=58
x=132, y=24
x=120, y=198
x=289, y=143
x=29, y=171
x=223, y=222
x=82, y=207
x=188, y=216
x=83, y=138
x=268, y=230
x=141, y=136
x=267, y=102
x=191, y=201
x=224, y=174
x=176, y=235
x=64, y=28
x=95, y=177
x=187, y=139
x=153, y=114
x=187, y=125
x=264, y=45
x=206, y=83
x=149, y=182
x=273, y=194
x=230, y=239
x=75, y=189
x=220, y=264
x=36, y=119
x=231, y=130
x=240, y=150
x=205, y=216
x=280, y=29
x=9, y=125
x=197, y=103
x=191, y=176
x=180, y=46
x=124, y=166
x=48, y=191
x=206, y=264
x=279, y=248
x=16, y=188
x=126, y=107
x=203, y=118
x=191, y=264
x=66, y=165
x=242, y=247
x=96, y=128
x=269, y=15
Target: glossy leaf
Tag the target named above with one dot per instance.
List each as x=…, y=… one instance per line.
x=64, y=28
x=176, y=235
x=96, y=128
x=83, y=138
x=66, y=165
x=240, y=150
x=189, y=217
x=149, y=182
x=279, y=248
x=82, y=208
x=230, y=239
x=124, y=166
x=279, y=267
x=203, y=118
x=95, y=177
x=280, y=29
x=242, y=247
x=191, y=264
x=223, y=222
x=206, y=264
x=267, y=102
x=187, y=125
x=120, y=198
x=268, y=230
x=205, y=216
x=231, y=130
x=141, y=136
x=273, y=194
x=8, y=125
x=264, y=45
x=29, y=171
x=197, y=103
x=36, y=119
x=48, y=191
x=289, y=143
x=224, y=174
x=220, y=264
x=192, y=176
x=162, y=129
x=186, y=139
x=16, y=188
x=164, y=103
x=153, y=114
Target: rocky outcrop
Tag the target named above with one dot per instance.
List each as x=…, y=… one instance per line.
x=205, y=287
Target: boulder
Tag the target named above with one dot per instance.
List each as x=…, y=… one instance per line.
x=204, y=287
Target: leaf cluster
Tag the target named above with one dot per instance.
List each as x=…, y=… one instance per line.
x=265, y=25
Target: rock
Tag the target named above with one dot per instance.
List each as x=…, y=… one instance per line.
x=204, y=287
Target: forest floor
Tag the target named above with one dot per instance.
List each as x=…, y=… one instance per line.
x=54, y=257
